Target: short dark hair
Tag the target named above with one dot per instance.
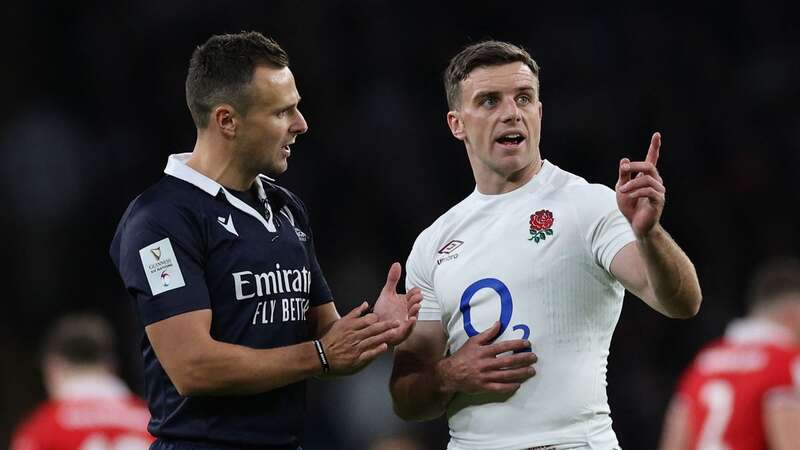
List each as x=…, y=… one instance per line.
x=481, y=54
x=81, y=340
x=773, y=281
x=221, y=70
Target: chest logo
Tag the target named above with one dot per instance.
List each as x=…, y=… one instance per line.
x=450, y=246
x=541, y=225
x=227, y=224
x=448, y=250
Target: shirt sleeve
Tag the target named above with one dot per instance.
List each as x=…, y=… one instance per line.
x=607, y=229
x=159, y=252
x=419, y=273
x=34, y=433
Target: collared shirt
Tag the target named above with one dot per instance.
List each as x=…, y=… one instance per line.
x=186, y=244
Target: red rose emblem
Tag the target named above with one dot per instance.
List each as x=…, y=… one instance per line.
x=541, y=225
x=542, y=220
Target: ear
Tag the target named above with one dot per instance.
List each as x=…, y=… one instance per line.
x=456, y=125
x=225, y=118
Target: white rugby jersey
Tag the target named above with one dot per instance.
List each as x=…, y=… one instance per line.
x=538, y=260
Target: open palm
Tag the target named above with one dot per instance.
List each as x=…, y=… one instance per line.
x=402, y=308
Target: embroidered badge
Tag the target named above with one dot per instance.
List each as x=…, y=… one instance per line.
x=541, y=225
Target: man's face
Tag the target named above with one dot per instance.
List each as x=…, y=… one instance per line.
x=272, y=122
x=499, y=119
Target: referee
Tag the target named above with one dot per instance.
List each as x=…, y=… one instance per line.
x=220, y=263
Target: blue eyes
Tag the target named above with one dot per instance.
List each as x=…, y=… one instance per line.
x=522, y=100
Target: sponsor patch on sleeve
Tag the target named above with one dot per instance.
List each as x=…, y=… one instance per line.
x=161, y=267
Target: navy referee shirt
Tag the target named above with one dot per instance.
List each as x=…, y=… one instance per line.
x=187, y=243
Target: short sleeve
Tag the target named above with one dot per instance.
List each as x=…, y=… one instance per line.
x=419, y=273
x=607, y=230
x=159, y=254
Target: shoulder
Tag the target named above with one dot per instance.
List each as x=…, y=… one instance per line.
x=433, y=234
x=171, y=208
x=165, y=202
x=587, y=202
x=38, y=425
x=578, y=187
x=576, y=191
x=168, y=194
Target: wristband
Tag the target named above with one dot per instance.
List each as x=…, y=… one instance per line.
x=322, y=358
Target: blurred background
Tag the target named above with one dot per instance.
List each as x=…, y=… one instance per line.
x=95, y=96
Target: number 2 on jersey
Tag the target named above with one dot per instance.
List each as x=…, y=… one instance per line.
x=506, y=307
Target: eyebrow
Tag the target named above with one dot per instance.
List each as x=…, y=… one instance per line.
x=289, y=106
x=487, y=93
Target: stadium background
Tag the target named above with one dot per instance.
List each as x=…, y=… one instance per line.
x=94, y=103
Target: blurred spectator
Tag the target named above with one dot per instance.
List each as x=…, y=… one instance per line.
x=89, y=408
x=742, y=392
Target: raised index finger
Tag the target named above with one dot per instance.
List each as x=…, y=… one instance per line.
x=655, y=149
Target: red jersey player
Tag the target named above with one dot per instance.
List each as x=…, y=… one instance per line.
x=89, y=407
x=742, y=392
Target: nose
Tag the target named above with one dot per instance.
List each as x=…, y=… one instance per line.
x=299, y=125
x=510, y=111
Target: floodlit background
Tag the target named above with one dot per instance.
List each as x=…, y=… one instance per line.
x=94, y=102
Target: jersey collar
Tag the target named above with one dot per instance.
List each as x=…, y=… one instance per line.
x=78, y=387
x=756, y=330
x=177, y=167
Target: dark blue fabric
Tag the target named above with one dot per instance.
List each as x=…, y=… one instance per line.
x=272, y=271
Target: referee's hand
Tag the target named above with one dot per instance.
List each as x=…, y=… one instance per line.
x=394, y=306
x=355, y=340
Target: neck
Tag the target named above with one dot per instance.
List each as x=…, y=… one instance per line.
x=215, y=158
x=490, y=182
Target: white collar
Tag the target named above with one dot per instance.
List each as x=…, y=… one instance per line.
x=177, y=167
x=746, y=331
x=91, y=386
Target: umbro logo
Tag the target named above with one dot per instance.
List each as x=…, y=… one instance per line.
x=450, y=246
x=227, y=224
x=448, y=250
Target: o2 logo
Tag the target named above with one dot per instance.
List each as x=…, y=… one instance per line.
x=506, y=308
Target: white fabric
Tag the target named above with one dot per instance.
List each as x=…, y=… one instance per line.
x=755, y=331
x=91, y=386
x=561, y=289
